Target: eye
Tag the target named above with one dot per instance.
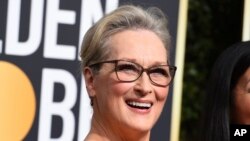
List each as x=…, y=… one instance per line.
x=248, y=87
x=127, y=67
x=159, y=71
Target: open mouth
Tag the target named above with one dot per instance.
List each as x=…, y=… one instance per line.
x=139, y=105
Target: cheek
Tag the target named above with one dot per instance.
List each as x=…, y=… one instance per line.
x=120, y=89
x=162, y=94
x=246, y=102
x=242, y=103
x=161, y=97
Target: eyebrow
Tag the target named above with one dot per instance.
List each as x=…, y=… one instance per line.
x=154, y=63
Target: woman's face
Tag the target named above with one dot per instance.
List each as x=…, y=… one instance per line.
x=242, y=99
x=112, y=97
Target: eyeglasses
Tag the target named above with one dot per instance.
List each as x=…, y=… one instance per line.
x=127, y=71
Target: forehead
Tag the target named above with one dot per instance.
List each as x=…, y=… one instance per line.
x=144, y=46
x=246, y=75
x=245, y=78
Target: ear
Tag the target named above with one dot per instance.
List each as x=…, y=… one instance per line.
x=89, y=81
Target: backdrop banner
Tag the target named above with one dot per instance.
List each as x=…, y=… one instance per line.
x=42, y=92
x=246, y=21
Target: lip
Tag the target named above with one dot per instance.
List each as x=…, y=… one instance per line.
x=139, y=110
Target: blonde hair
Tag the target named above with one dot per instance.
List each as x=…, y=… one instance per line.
x=94, y=47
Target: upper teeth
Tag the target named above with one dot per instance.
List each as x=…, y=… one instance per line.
x=139, y=104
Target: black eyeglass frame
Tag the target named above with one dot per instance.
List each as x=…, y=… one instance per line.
x=172, y=70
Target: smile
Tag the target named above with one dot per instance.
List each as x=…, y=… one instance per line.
x=139, y=105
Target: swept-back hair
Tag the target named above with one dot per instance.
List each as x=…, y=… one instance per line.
x=127, y=17
x=228, y=68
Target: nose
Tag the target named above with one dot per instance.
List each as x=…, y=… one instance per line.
x=143, y=85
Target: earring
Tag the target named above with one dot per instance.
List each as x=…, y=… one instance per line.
x=92, y=101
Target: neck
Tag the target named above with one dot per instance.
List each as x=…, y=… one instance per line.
x=105, y=131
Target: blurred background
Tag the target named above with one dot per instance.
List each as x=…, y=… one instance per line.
x=213, y=25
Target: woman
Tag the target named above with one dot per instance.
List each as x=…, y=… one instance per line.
x=125, y=62
x=228, y=96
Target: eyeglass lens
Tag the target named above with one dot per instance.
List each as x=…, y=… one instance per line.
x=128, y=71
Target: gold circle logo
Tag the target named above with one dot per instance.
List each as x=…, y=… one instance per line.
x=17, y=103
